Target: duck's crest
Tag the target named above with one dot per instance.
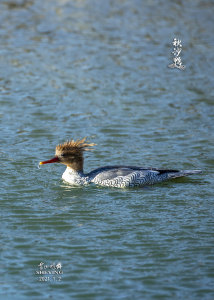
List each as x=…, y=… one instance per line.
x=78, y=145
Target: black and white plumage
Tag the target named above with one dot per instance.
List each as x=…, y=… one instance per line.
x=71, y=154
x=123, y=176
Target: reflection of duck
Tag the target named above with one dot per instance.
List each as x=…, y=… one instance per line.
x=71, y=154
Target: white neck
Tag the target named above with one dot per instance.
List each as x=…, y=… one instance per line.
x=74, y=177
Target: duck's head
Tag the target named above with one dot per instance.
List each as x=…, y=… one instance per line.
x=70, y=154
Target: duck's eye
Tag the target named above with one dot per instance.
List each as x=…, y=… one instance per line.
x=65, y=155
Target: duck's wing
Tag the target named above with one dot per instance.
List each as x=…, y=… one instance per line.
x=112, y=171
x=129, y=176
x=124, y=176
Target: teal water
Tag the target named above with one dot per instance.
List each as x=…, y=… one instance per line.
x=70, y=69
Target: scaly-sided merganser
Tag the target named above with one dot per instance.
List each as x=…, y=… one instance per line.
x=71, y=154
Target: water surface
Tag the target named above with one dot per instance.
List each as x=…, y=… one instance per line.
x=71, y=69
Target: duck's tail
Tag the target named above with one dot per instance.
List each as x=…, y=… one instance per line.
x=183, y=173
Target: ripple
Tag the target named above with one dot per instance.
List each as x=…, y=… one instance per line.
x=75, y=69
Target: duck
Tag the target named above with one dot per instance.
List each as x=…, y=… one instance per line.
x=71, y=154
